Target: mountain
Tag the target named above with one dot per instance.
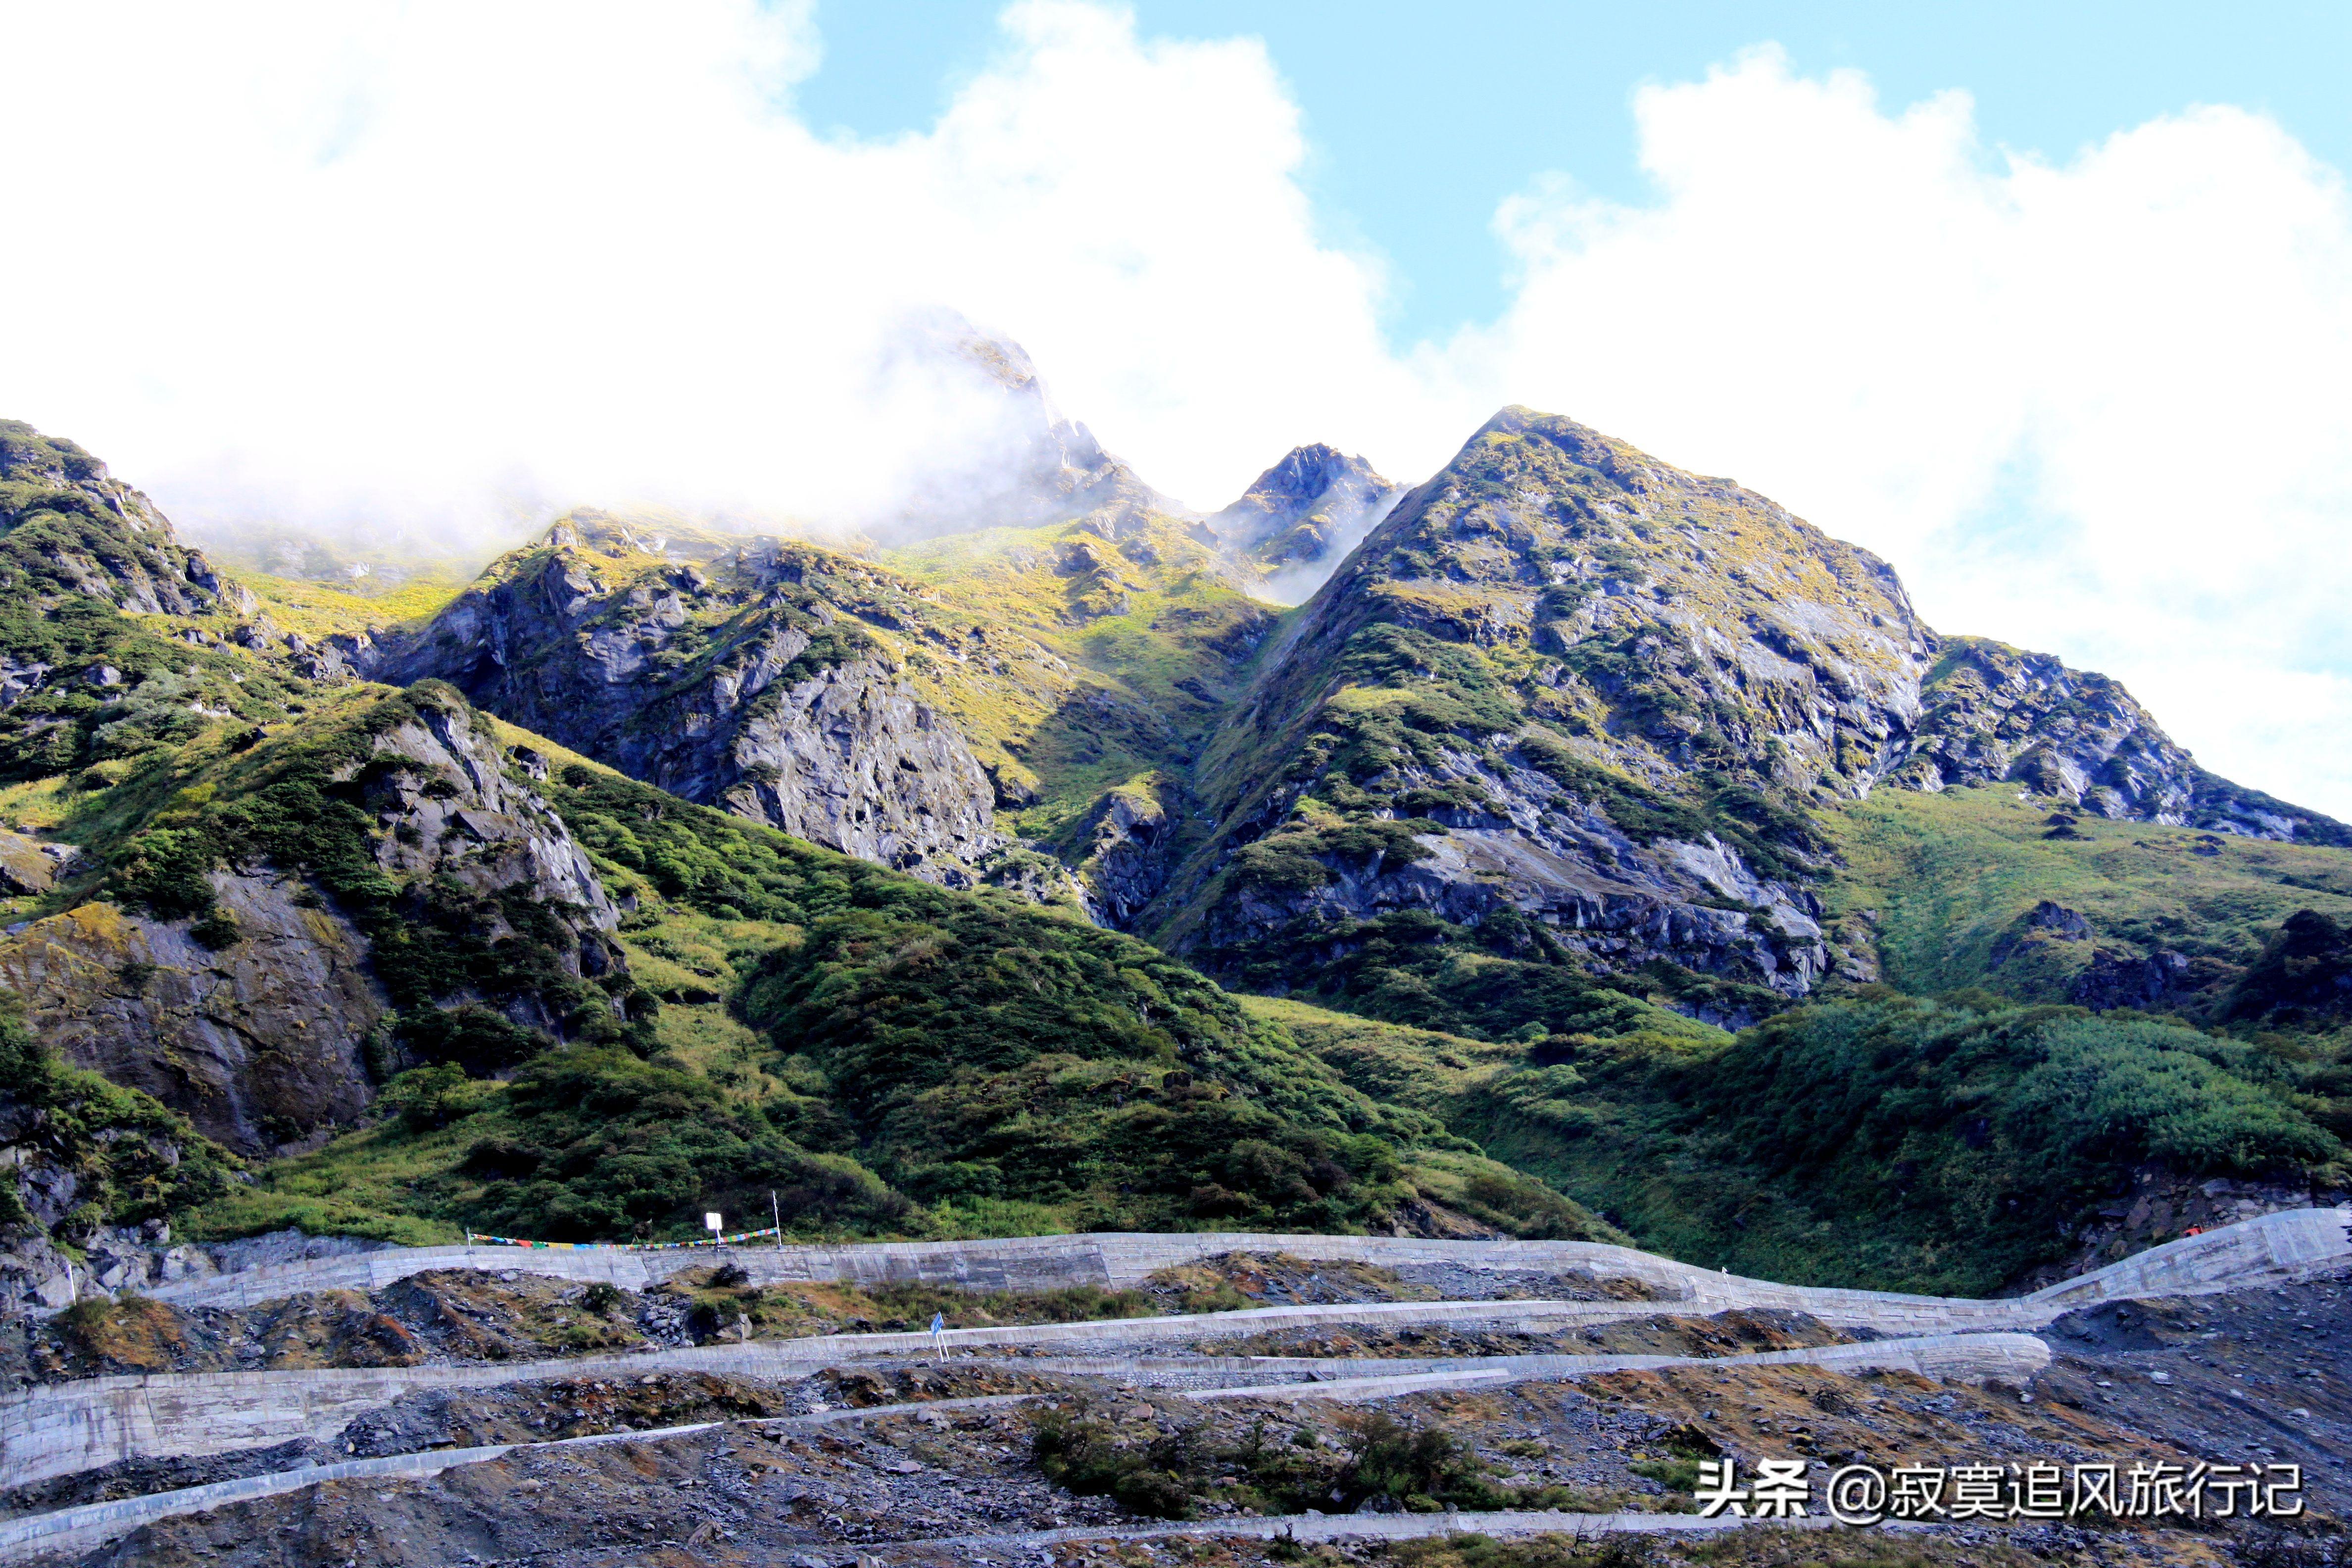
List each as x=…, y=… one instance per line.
x=266, y=915
x=69, y=525
x=1028, y=463
x=1023, y=868
x=1303, y=516
x=1569, y=708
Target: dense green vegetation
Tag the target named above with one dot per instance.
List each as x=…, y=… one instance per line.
x=308, y=801
x=974, y=1048
x=130, y=1159
x=2303, y=976
x=928, y=1062
x=1368, y=1454
x=1879, y=1140
x=598, y=1145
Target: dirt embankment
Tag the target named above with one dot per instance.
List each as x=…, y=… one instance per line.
x=1723, y=1333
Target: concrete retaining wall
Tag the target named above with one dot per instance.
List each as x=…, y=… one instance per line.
x=63, y=1428
x=1949, y=1355
x=93, y=1524
x=2271, y=1245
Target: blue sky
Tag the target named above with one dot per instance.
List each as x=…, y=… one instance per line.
x=2047, y=305
x=1422, y=118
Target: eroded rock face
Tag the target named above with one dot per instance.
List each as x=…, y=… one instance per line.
x=1552, y=611
x=1994, y=714
x=258, y=1044
x=1536, y=848
x=785, y=711
x=457, y=814
x=37, y=1277
x=1125, y=863
x=849, y=758
x=1622, y=689
x=86, y=530
x=261, y=1044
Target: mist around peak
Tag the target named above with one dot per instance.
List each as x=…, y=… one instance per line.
x=1303, y=516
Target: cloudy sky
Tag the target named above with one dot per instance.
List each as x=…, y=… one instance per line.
x=2057, y=322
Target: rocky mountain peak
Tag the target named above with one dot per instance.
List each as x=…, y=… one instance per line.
x=1025, y=463
x=1570, y=691
x=1313, y=506
x=70, y=527
x=1678, y=621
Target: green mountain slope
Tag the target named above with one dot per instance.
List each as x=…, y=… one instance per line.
x=1572, y=716
x=919, y=1061
x=1988, y=886
x=683, y=868
x=508, y=988
x=1955, y=1147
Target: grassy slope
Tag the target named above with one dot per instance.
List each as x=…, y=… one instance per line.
x=1168, y=633
x=924, y=1062
x=1879, y=1141
x=322, y=609
x=1949, y=875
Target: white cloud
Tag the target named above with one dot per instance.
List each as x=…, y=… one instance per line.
x=447, y=261
x=2095, y=408
x=444, y=265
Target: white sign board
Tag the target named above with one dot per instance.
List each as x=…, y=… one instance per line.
x=712, y=1222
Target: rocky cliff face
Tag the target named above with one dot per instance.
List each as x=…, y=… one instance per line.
x=1992, y=714
x=72, y=528
x=450, y=809
x=736, y=681
x=256, y=1026
x=260, y=1044
x=1121, y=860
x=1317, y=503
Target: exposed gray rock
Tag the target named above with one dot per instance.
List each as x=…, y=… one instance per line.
x=1300, y=516
x=18, y=679
x=1539, y=850
x=257, y=1044
x=1993, y=715
x=37, y=1276
x=787, y=712
x=467, y=820
x=286, y=1245
x=849, y=758
x=260, y=1043
x=1628, y=668
x=2046, y=921
x=2152, y=984
x=1125, y=861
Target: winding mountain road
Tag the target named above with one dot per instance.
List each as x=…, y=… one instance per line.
x=65, y=1428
